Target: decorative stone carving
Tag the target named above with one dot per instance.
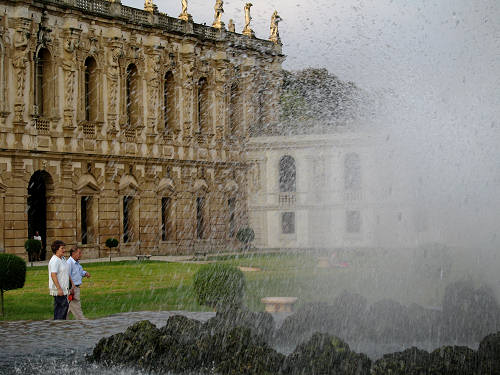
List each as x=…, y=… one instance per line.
x=247, y=30
x=275, y=35
x=218, y=24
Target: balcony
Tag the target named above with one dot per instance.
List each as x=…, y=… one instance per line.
x=89, y=129
x=353, y=195
x=287, y=200
x=42, y=126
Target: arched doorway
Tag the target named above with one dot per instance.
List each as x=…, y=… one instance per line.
x=37, y=207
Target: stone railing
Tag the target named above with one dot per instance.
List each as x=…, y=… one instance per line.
x=110, y=9
x=94, y=6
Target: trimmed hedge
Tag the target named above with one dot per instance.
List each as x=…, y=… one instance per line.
x=12, y=273
x=219, y=284
x=245, y=235
x=111, y=242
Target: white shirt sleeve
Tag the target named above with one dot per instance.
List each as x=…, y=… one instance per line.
x=54, y=267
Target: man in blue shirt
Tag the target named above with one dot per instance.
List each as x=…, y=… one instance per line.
x=76, y=273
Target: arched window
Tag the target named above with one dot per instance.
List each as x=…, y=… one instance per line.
x=287, y=175
x=203, y=114
x=352, y=172
x=234, y=108
x=168, y=101
x=90, y=89
x=43, y=86
x=132, y=95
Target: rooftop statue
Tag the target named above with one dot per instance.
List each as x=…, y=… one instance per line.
x=184, y=13
x=247, y=29
x=275, y=35
x=231, y=26
x=218, y=24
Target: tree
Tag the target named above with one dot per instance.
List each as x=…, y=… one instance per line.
x=12, y=273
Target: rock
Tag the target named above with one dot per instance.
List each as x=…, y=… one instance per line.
x=454, y=360
x=412, y=361
x=137, y=345
x=423, y=323
x=310, y=318
x=469, y=314
x=387, y=321
x=324, y=354
x=238, y=351
x=259, y=323
x=489, y=354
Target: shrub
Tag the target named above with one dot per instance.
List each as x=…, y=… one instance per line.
x=12, y=273
x=219, y=284
x=245, y=236
x=33, y=247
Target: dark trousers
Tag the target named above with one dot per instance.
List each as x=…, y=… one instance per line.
x=61, y=305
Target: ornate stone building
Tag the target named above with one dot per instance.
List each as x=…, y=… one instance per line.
x=127, y=123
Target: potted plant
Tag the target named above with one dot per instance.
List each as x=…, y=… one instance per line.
x=33, y=247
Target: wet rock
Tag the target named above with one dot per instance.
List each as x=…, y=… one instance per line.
x=259, y=323
x=325, y=354
x=310, y=318
x=412, y=361
x=238, y=351
x=469, y=314
x=185, y=329
x=137, y=345
x=489, y=354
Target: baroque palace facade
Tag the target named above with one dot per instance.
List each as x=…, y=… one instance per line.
x=127, y=123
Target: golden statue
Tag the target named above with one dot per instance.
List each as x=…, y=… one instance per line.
x=275, y=35
x=231, y=26
x=185, y=16
x=218, y=24
x=247, y=30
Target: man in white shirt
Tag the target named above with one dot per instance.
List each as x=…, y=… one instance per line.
x=59, y=280
x=76, y=273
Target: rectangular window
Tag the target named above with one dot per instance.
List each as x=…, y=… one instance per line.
x=39, y=87
x=127, y=219
x=288, y=222
x=200, y=220
x=231, y=203
x=167, y=225
x=84, y=219
x=87, y=95
x=353, y=222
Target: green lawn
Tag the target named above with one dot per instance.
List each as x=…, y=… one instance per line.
x=149, y=285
